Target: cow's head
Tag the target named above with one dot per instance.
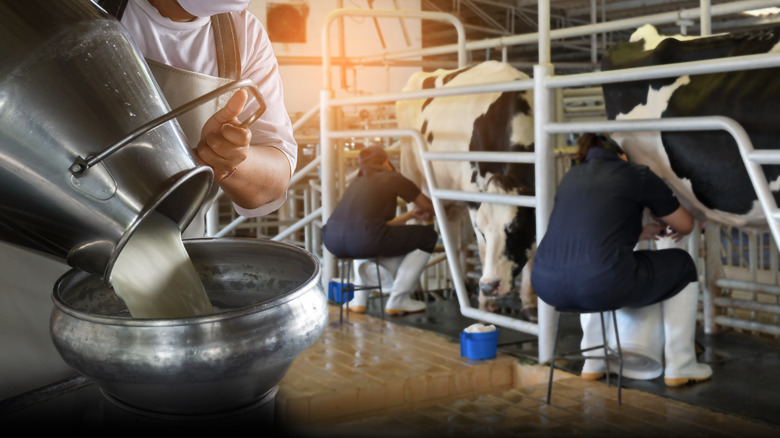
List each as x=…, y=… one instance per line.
x=506, y=235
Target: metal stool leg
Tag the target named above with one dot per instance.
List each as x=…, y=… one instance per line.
x=379, y=286
x=605, y=343
x=552, y=360
x=609, y=352
x=345, y=288
x=619, y=354
x=341, y=290
x=345, y=268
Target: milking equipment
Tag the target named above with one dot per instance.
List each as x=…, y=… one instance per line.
x=88, y=148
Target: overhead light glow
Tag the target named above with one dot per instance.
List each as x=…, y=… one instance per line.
x=763, y=12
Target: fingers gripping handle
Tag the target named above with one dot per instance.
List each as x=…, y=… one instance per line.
x=81, y=165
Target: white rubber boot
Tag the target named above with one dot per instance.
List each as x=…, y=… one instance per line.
x=405, y=283
x=388, y=266
x=593, y=369
x=680, y=330
x=359, y=301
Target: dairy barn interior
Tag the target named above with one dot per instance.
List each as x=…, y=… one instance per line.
x=344, y=64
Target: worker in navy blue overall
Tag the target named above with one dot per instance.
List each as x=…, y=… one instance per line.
x=364, y=225
x=587, y=258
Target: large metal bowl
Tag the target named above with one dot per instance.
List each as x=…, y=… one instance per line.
x=270, y=307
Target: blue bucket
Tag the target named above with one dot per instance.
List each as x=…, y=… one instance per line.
x=479, y=346
x=334, y=292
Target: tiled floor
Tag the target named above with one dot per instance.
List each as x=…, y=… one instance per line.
x=372, y=377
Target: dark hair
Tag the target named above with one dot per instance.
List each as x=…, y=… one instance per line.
x=591, y=140
x=372, y=155
x=370, y=159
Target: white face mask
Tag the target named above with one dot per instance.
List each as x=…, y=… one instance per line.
x=207, y=8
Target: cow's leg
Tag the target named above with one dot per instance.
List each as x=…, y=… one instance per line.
x=487, y=303
x=529, y=309
x=405, y=283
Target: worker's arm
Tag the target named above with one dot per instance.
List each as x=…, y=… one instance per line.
x=680, y=221
x=251, y=175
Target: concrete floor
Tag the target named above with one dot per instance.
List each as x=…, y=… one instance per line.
x=744, y=383
x=404, y=376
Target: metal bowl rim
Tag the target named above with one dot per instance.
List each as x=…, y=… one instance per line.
x=307, y=285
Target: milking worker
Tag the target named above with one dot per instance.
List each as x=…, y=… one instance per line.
x=252, y=166
x=587, y=258
x=363, y=225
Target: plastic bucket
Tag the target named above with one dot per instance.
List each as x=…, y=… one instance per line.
x=479, y=346
x=335, y=293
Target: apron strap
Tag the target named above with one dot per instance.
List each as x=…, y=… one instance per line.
x=228, y=57
x=113, y=7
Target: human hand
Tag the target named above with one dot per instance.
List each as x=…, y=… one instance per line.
x=422, y=214
x=674, y=235
x=652, y=231
x=224, y=145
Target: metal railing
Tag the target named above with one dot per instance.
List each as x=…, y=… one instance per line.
x=544, y=84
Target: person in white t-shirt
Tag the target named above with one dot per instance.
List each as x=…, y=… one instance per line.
x=252, y=166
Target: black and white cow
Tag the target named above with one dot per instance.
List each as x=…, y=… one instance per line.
x=480, y=122
x=703, y=168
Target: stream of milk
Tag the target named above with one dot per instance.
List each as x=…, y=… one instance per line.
x=154, y=275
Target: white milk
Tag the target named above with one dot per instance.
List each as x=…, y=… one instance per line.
x=154, y=275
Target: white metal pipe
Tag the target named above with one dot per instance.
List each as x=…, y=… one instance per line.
x=212, y=217
x=305, y=118
x=577, y=31
x=728, y=283
x=545, y=190
x=735, y=63
x=327, y=174
x=705, y=18
x=765, y=156
x=450, y=247
x=295, y=178
x=423, y=15
x=231, y=226
x=309, y=168
x=484, y=156
x=543, y=39
x=727, y=321
x=311, y=217
x=765, y=197
x=493, y=198
x=493, y=87
x=593, y=37
x=327, y=152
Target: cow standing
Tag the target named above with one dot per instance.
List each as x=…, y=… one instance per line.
x=704, y=168
x=498, y=121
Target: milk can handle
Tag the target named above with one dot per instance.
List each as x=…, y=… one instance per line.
x=81, y=165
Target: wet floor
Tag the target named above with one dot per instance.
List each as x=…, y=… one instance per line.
x=745, y=377
x=369, y=376
x=403, y=376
